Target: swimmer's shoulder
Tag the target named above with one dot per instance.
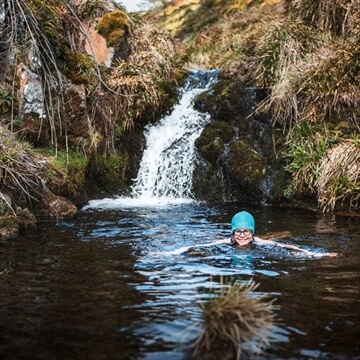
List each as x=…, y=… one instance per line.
x=259, y=241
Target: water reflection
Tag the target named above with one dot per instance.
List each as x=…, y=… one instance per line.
x=93, y=289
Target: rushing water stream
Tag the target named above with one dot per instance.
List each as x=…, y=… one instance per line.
x=95, y=287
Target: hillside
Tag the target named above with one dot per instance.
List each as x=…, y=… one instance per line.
x=306, y=55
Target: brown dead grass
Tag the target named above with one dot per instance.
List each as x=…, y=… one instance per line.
x=136, y=80
x=339, y=176
x=338, y=17
x=330, y=84
x=233, y=318
x=18, y=167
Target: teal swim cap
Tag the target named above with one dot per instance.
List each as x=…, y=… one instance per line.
x=243, y=220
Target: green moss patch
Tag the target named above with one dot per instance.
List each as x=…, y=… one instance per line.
x=107, y=174
x=113, y=26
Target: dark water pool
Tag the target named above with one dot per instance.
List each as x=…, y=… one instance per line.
x=92, y=288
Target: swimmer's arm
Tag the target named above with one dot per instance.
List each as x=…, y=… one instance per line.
x=187, y=248
x=292, y=247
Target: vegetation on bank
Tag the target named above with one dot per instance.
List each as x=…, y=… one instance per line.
x=56, y=93
x=19, y=170
x=306, y=54
x=60, y=98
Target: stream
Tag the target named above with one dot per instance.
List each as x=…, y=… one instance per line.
x=97, y=287
x=92, y=288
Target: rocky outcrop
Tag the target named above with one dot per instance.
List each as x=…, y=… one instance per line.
x=54, y=206
x=237, y=149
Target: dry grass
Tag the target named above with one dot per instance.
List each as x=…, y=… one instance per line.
x=235, y=321
x=324, y=163
x=18, y=166
x=305, y=52
x=339, y=17
x=330, y=84
x=88, y=9
x=136, y=80
x=315, y=79
x=339, y=176
x=305, y=147
x=219, y=34
x=281, y=55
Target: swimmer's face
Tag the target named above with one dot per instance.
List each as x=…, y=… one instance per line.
x=242, y=237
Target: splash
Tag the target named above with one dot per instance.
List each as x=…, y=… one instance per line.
x=166, y=169
x=136, y=5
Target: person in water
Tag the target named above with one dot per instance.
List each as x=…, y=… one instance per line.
x=243, y=236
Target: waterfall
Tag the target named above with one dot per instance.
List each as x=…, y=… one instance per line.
x=167, y=165
x=166, y=169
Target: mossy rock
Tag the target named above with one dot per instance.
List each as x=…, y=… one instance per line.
x=210, y=144
x=80, y=68
x=244, y=169
x=106, y=174
x=230, y=101
x=65, y=174
x=245, y=164
x=9, y=227
x=215, y=102
x=113, y=26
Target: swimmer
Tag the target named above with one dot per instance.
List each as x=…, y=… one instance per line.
x=243, y=236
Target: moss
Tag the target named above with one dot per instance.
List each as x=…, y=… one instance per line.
x=66, y=174
x=106, y=174
x=76, y=174
x=113, y=26
x=210, y=144
x=79, y=67
x=180, y=75
x=48, y=14
x=169, y=97
x=6, y=101
x=245, y=164
x=4, y=208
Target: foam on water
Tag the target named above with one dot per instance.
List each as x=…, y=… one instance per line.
x=165, y=174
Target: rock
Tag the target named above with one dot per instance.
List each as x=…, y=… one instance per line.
x=95, y=45
x=8, y=228
x=26, y=219
x=30, y=93
x=56, y=206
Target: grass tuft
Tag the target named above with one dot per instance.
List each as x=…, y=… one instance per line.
x=235, y=321
x=139, y=79
x=339, y=176
x=18, y=166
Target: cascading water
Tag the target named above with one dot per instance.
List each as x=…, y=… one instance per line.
x=168, y=161
x=166, y=169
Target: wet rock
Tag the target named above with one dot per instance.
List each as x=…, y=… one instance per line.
x=25, y=218
x=30, y=93
x=237, y=148
x=54, y=206
x=244, y=168
x=13, y=221
x=211, y=143
x=8, y=227
x=95, y=44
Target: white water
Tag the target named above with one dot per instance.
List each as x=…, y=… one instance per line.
x=136, y=5
x=166, y=169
